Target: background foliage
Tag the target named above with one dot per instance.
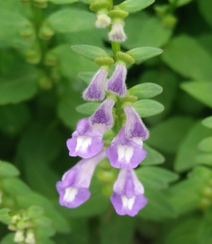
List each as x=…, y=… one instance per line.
x=41, y=81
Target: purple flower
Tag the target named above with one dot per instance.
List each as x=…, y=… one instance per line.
x=134, y=127
x=128, y=197
x=73, y=189
x=117, y=33
x=86, y=141
x=125, y=153
x=95, y=90
x=116, y=83
x=103, y=117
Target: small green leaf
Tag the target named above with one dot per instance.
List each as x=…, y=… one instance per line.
x=132, y=6
x=207, y=122
x=205, y=9
x=90, y=52
x=8, y=170
x=87, y=108
x=35, y=212
x=63, y=1
x=201, y=90
x=153, y=157
x=15, y=186
x=4, y=215
x=155, y=177
x=86, y=76
x=141, y=54
x=8, y=239
x=206, y=145
x=145, y=90
x=146, y=107
x=71, y=20
x=205, y=230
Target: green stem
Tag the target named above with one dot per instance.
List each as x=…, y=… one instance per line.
x=115, y=47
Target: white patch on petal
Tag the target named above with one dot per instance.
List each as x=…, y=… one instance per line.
x=127, y=202
x=83, y=142
x=70, y=194
x=125, y=152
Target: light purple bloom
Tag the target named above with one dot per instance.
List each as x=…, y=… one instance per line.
x=125, y=153
x=95, y=91
x=103, y=117
x=116, y=84
x=128, y=197
x=73, y=189
x=86, y=141
x=117, y=33
x=134, y=127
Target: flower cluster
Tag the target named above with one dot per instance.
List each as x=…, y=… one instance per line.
x=125, y=151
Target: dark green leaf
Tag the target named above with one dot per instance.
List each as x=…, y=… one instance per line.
x=180, y=3
x=145, y=90
x=204, y=158
x=63, y=1
x=205, y=8
x=35, y=212
x=207, y=122
x=153, y=157
x=141, y=54
x=90, y=52
x=86, y=76
x=132, y=6
x=187, y=57
x=8, y=239
x=206, y=145
x=4, y=215
x=146, y=107
x=15, y=186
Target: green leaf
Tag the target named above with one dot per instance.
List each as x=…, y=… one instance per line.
x=21, y=86
x=86, y=76
x=141, y=54
x=201, y=90
x=87, y=108
x=8, y=239
x=153, y=157
x=206, y=145
x=71, y=20
x=185, y=196
x=145, y=90
x=207, y=122
x=180, y=3
x=185, y=232
x=185, y=55
x=71, y=63
x=155, y=177
x=66, y=108
x=8, y=170
x=120, y=228
x=132, y=6
x=146, y=107
x=4, y=215
x=168, y=134
x=158, y=207
x=90, y=52
x=35, y=212
x=204, y=158
x=205, y=230
x=205, y=8
x=151, y=31
x=15, y=186
x=63, y=1
x=188, y=149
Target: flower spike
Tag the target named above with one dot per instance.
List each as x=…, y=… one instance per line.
x=95, y=90
x=116, y=84
x=128, y=197
x=125, y=153
x=73, y=189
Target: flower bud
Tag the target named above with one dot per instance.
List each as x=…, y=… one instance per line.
x=28, y=32
x=30, y=238
x=32, y=56
x=19, y=236
x=46, y=32
x=117, y=33
x=102, y=20
x=40, y=3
